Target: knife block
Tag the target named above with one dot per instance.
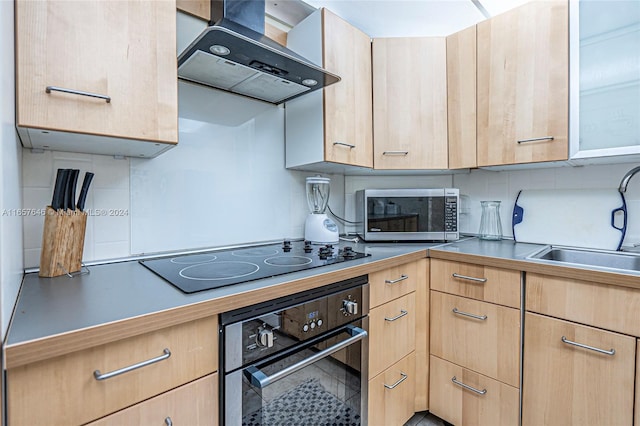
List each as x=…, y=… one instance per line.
x=62, y=242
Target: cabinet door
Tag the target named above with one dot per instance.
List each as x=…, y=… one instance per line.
x=523, y=85
x=567, y=384
x=464, y=397
x=195, y=403
x=637, y=410
x=391, y=333
x=124, y=50
x=347, y=104
x=477, y=335
x=65, y=390
x=410, y=103
x=461, y=98
x=391, y=394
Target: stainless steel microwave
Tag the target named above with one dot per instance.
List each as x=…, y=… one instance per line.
x=408, y=214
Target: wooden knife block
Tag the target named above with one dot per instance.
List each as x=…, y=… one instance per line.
x=62, y=242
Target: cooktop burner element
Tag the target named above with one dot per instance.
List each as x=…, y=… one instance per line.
x=222, y=270
x=193, y=258
x=204, y=271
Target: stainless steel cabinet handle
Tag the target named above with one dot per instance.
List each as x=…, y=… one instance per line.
x=50, y=89
x=168, y=421
x=348, y=145
x=261, y=380
x=591, y=348
x=466, y=314
x=465, y=277
x=472, y=389
x=402, y=278
x=100, y=376
x=544, y=138
x=402, y=314
x=395, y=153
x=402, y=379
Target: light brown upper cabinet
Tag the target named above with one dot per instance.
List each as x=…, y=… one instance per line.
x=97, y=76
x=410, y=103
x=198, y=8
x=461, y=98
x=523, y=83
x=333, y=126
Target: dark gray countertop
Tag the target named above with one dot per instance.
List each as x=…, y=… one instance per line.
x=119, y=291
x=58, y=315
x=503, y=249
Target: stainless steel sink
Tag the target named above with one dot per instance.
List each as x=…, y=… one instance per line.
x=596, y=258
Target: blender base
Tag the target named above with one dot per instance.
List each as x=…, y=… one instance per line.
x=319, y=229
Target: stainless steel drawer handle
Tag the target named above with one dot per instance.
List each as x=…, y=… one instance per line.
x=402, y=314
x=544, y=138
x=260, y=380
x=402, y=278
x=168, y=421
x=466, y=314
x=402, y=379
x=471, y=388
x=348, y=145
x=395, y=153
x=100, y=376
x=465, y=277
x=50, y=89
x=591, y=348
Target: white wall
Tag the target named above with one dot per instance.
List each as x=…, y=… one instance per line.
x=11, y=265
x=504, y=186
x=221, y=185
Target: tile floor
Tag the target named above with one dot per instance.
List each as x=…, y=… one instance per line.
x=424, y=418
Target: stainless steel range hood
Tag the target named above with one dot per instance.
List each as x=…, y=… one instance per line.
x=233, y=54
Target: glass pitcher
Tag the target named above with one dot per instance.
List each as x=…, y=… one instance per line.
x=490, y=225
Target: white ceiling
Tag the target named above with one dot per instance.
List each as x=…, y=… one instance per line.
x=401, y=18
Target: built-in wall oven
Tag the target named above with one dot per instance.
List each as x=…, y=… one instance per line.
x=300, y=359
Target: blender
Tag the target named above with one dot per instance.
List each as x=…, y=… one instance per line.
x=318, y=228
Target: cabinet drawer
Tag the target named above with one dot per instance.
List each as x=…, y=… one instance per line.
x=48, y=392
x=397, y=281
x=599, y=305
x=391, y=333
x=193, y=404
x=580, y=385
x=495, y=285
x=487, y=343
x=490, y=402
x=391, y=393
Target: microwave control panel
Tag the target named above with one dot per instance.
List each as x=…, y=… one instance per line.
x=451, y=214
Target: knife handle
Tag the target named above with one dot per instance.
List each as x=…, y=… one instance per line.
x=58, y=190
x=88, y=176
x=73, y=181
x=64, y=195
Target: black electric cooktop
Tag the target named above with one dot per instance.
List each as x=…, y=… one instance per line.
x=205, y=271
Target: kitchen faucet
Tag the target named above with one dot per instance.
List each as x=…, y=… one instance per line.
x=627, y=178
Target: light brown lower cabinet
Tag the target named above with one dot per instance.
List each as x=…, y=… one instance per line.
x=576, y=375
x=464, y=397
x=195, y=403
x=391, y=394
x=86, y=385
x=391, y=333
x=481, y=336
x=637, y=410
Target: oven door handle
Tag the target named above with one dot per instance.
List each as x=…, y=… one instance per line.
x=261, y=380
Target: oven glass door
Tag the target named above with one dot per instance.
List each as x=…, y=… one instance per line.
x=315, y=383
x=406, y=214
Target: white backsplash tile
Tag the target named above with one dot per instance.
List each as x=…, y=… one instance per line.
x=227, y=185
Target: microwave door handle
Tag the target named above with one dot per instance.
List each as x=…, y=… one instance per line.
x=261, y=380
